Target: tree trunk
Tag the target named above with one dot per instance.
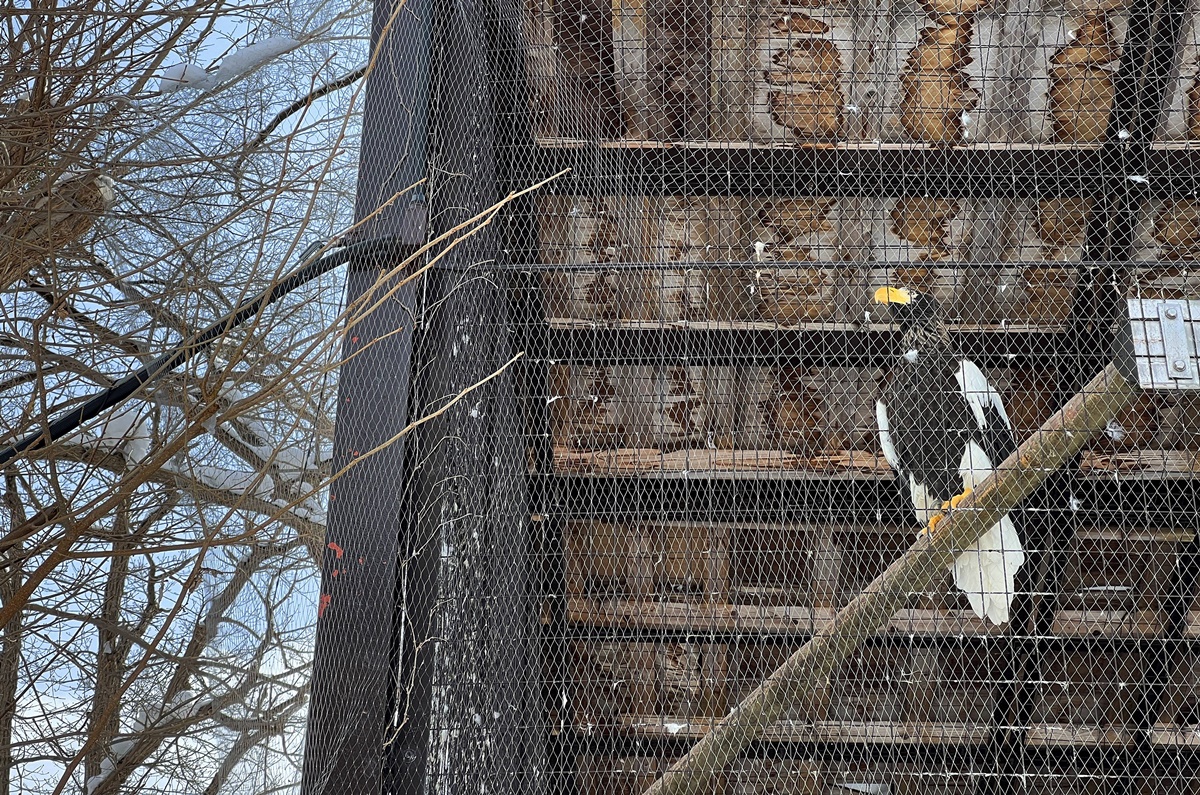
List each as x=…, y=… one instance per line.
x=110, y=662
x=10, y=650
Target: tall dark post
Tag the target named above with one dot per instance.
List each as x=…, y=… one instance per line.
x=470, y=517
x=353, y=671
x=426, y=677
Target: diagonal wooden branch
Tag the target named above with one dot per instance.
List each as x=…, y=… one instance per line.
x=1060, y=438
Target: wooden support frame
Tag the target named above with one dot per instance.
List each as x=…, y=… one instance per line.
x=1009, y=171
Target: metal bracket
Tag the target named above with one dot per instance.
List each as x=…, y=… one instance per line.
x=1158, y=348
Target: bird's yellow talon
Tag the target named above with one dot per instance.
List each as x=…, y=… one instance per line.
x=932, y=527
x=957, y=498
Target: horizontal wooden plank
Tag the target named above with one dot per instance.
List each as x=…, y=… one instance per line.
x=759, y=619
x=723, y=464
x=1191, y=628
x=1137, y=465
x=949, y=735
x=801, y=621
x=1107, y=624
x=836, y=732
x=887, y=733
x=1173, y=736
x=1141, y=465
x=1069, y=736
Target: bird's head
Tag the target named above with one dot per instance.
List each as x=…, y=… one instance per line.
x=908, y=307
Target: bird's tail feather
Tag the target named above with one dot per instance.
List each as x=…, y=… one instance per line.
x=988, y=573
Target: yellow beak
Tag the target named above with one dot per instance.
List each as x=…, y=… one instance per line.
x=892, y=295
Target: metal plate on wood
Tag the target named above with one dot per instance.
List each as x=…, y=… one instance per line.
x=1161, y=344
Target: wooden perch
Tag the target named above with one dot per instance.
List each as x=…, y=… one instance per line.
x=1060, y=438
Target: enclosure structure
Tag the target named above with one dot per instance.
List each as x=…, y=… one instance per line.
x=670, y=476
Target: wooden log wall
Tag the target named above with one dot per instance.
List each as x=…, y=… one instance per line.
x=676, y=607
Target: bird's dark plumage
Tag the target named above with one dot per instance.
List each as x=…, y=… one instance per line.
x=943, y=428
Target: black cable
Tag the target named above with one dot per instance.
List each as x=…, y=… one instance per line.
x=123, y=389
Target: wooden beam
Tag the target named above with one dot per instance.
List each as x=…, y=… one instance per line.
x=1060, y=438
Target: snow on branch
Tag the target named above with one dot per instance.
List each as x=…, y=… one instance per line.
x=234, y=481
x=192, y=77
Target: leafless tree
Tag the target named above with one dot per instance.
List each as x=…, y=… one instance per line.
x=159, y=164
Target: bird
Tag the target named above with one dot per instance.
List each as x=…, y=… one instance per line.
x=943, y=429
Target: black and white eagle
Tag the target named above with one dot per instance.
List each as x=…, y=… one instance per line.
x=943, y=428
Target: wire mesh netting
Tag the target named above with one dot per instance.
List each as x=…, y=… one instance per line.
x=804, y=274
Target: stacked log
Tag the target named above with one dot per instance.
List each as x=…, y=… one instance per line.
x=584, y=104
x=800, y=98
x=579, y=231
x=1083, y=81
x=922, y=233
x=1177, y=224
x=660, y=65
x=584, y=411
x=795, y=231
x=1082, y=88
x=936, y=94
x=687, y=232
x=665, y=406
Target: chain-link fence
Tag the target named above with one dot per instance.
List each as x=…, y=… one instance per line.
x=804, y=274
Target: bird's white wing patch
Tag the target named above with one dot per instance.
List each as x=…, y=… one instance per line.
x=979, y=393
x=975, y=465
x=885, y=436
x=925, y=505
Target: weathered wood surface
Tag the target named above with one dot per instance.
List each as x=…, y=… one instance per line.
x=1152, y=464
x=807, y=732
x=899, y=733
x=784, y=620
x=806, y=670
x=799, y=620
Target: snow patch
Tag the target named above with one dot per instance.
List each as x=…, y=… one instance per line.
x=311, y=510
x=183, y=76
x=243, y=60
x=193, y=77
x=127, y=434
x=233, y=480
